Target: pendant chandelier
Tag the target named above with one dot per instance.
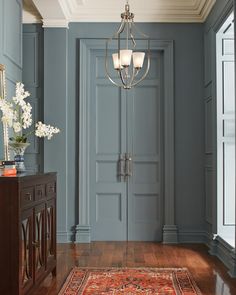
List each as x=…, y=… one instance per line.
x=128, y=61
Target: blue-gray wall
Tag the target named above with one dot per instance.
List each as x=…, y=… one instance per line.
x=11, y=45
x=61, y=84
x=11, y=41
x=15, y=59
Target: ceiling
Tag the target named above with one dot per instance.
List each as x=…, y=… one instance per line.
x=58, y=13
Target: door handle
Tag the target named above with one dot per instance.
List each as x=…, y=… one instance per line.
x=128, y=165
x=121, y=167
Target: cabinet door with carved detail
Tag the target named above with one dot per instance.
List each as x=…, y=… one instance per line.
x=50, y=232
x=39, y=240
x=26, y=249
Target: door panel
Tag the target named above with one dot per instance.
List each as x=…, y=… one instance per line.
x=125, y=122
x=108, y=100
x=145, y=120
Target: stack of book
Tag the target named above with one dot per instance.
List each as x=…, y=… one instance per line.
x=7, y=168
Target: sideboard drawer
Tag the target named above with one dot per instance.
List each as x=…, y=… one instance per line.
x=39, y=192
x=27, y=196
x=50, y=189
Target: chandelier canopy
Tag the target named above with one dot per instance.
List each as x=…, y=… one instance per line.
x=128, y=61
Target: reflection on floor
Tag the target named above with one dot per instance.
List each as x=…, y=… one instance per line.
x=208, y=272
x=221, y=287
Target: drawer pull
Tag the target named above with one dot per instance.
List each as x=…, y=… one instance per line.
x=39, y=193
x=28, y=197
x=51, y=189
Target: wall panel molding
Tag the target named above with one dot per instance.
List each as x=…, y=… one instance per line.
x=33, y=80
x=11, y=52
x=31, y=39
x=209, y=182
x=209, y=144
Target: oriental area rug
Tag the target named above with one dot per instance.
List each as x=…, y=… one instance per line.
x=129, y=281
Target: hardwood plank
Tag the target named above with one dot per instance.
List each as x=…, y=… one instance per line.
x=208, y=272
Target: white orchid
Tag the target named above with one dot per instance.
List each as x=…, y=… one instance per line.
x=8, y=114
x=17, y=127
x=17, y=114
x=43, y=130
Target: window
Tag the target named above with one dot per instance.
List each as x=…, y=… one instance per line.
x=226, y=132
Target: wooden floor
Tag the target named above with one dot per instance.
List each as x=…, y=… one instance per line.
x=208, y=272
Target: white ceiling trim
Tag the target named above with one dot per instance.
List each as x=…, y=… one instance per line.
x=29, y=18
x=57, y=12
x=55, y=23
x=30, y=13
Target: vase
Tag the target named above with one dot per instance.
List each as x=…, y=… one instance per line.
x=19, y=151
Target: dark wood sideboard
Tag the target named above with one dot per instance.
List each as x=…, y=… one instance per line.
x=27, y=231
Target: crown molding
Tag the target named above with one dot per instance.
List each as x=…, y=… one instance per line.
x=206, y=9
x=160, y=11
x=55, y=23
x=29, y=18
x=195, y=11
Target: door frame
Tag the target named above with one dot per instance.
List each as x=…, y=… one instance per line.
x=169, y=227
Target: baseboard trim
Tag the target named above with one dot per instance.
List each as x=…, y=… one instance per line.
x=225, y=253
x=192, y=236
x=170, y=234
x=82, y=234
x=63, y=237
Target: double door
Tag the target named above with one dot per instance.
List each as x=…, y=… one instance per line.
x=125, y=156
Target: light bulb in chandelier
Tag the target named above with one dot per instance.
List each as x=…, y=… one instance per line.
x=138, y=59
x=125, y=57
x=116, y=61
x=128, y=60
